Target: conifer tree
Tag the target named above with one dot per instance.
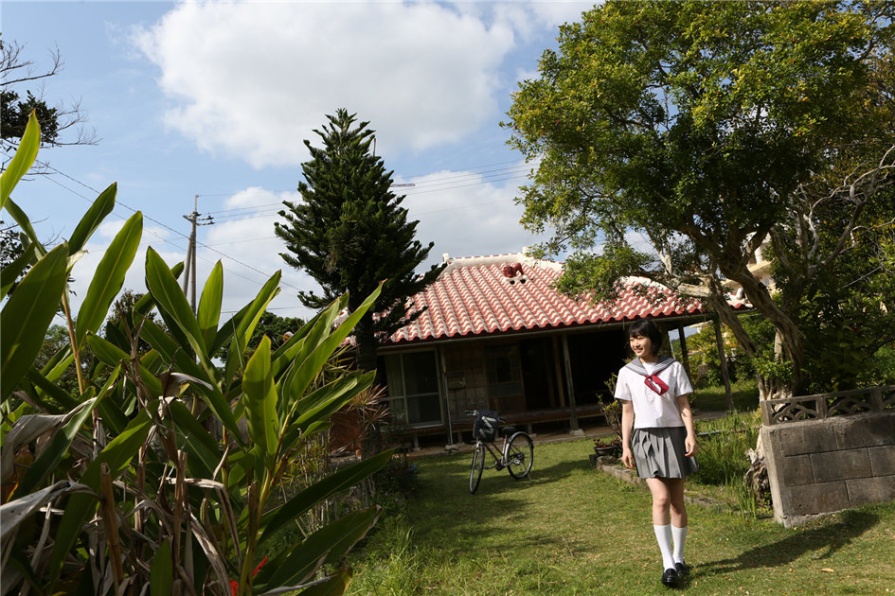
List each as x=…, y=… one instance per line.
x=349, y=232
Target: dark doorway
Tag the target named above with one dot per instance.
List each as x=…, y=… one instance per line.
x=536, y=356
x=595, y=358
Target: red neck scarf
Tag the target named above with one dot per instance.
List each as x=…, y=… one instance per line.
x=655, y=383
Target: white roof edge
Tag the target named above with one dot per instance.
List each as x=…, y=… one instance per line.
x=502, y=259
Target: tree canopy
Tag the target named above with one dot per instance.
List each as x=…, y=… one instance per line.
x=672, y=139
x=55, y=120
x=350, y=233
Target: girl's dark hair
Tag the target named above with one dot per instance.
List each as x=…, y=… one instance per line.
x=646, y=328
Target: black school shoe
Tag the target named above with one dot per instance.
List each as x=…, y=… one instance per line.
x=683, y=570
x=670, y=577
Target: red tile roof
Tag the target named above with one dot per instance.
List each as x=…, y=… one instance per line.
x=514, y=292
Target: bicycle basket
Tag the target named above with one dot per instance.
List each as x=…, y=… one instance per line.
x=486, y=425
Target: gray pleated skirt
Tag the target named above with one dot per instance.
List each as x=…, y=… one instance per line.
x=659, y=453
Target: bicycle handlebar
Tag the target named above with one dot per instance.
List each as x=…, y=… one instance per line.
x=474, y=413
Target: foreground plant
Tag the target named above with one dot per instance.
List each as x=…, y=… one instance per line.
x=157, y=474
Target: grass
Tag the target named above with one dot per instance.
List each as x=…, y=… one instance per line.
x=744, y=395
x=570, y=529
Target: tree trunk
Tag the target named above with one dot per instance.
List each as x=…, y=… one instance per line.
x=365, y=344
x=787, y=332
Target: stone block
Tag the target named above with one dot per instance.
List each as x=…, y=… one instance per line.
x=882, y=460
x=810, y=436
x=817, y=498
x=796, y=471
x=863, y=430
x=882, y=429
x=863, y=491
x=841, y=465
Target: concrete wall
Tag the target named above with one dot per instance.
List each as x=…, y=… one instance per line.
x=820, y=466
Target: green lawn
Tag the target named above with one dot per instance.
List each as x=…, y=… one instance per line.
x=570, y=529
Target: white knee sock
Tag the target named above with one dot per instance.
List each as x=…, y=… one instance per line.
x=663, y=537
x=680, y=536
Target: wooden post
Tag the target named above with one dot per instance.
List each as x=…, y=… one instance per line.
x=558, y=371
x=573, y=414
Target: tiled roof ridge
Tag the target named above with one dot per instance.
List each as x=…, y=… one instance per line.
x=516, y=292
x=499, y=259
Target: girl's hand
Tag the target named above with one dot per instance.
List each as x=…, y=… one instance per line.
x=627, y=457
x=690, y=446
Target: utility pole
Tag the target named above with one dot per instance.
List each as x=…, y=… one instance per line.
x=189, y=271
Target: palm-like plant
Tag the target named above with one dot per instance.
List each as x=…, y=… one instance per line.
x=158, y=474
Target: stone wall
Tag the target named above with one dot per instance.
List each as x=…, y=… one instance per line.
x=826, y=453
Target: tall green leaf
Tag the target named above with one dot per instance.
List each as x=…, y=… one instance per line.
x=21, y=218
x=22, y=161
x=307, y=370
x=101, y=207
x=209, y=314
x=27, y=315
x=109, y=277
x=328, y=544
x=328, y=486
x=261, y=400
x=332, y=397
x=203, y=450
x=106, y=351
x=175, y=357
x=48, y=388
x=335, y=585
x=172, y=303
x=53, y=453
x=238, y=330
x=162, y=573
x=10, y=273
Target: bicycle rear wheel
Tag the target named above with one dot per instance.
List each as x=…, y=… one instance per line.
x=478, y=464
x=520, y=455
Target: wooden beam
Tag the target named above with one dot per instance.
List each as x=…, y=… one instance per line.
x=573, y=415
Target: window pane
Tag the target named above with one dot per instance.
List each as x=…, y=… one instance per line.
x=413, y=386
x=394, y=376
x=420, y=373
x=423, y=408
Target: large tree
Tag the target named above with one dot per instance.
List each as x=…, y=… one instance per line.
x=672, y=139
x=350, y=233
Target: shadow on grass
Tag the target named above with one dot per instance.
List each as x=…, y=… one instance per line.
x=557, y=471
x=826, y=540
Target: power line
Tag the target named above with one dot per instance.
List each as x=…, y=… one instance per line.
x=487, y=174
x=120, y=203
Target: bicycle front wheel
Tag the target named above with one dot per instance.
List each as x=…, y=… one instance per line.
x=478, y=464
x=520, y=455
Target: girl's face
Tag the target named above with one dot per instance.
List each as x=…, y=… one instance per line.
x=641, y=345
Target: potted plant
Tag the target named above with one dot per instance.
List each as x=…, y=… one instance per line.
x=610, y=445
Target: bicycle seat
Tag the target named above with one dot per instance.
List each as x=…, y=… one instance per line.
x=506, y=431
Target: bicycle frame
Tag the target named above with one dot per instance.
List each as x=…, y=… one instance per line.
x=516, y=454
x=498, y=455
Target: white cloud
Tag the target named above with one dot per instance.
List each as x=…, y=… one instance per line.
x=469, y=213
x=253, y=79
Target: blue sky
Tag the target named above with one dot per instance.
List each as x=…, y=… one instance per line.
x=215, y=99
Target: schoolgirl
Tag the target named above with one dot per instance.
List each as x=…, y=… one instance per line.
x=659, y=437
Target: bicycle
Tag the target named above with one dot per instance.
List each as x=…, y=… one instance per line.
x=516, y=454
